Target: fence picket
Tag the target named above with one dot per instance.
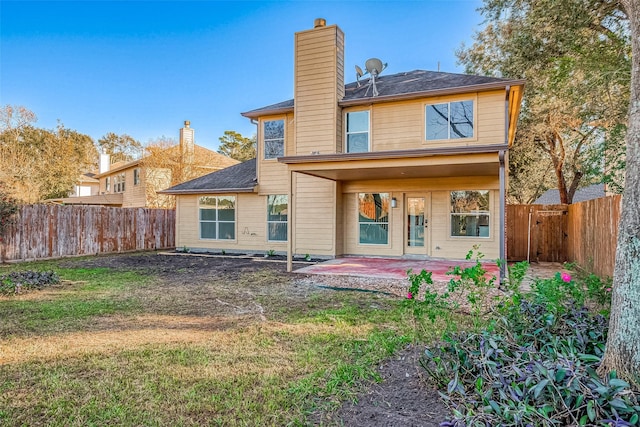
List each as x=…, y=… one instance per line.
x=52, y=231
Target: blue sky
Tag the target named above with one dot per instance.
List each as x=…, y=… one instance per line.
x=142, y=68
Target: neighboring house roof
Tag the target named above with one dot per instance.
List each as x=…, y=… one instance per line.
x=407, y=85
x=240, y=178
x=213, y=160
x=552, y=197
x=98, y=199
x=88, y=178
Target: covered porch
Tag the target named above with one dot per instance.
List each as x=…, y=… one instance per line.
x=406, y=178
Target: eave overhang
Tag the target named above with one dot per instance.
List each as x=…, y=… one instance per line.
x=401, y=164
x=210, y=191
x=255, y=114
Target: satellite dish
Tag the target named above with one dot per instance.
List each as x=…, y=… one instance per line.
x=359, y=74
x=374, y=66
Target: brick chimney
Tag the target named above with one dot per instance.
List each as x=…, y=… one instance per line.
x=318, y=86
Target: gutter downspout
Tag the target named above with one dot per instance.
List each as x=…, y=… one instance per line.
x=291, y=224
x=503, y=190
x=503, y=255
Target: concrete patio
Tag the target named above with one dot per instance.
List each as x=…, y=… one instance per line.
x=396, y=268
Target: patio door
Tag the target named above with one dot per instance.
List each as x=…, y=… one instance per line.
x=417, y=224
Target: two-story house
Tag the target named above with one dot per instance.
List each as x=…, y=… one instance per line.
x=136, y=183
x=413, y=164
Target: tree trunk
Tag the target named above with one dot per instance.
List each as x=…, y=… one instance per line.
x=623, y=344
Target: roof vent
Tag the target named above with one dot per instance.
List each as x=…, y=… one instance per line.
x=319, y=23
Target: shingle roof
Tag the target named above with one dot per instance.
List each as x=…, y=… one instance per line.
x=552, y=197
x=240, y=178
x=400, y=84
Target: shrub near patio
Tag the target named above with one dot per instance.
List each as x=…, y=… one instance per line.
x=532, y=359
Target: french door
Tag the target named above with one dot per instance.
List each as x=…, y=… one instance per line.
x=417, y=212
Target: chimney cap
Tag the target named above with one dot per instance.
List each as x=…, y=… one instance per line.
x=319, y=23
x=187, y=123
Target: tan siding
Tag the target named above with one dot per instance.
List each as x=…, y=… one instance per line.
x=400, y=125
x=317, y=85
x=251, y=226
x=442, y=245
x=491, y=117
x=273, y=178
x=134, y=195
x=352, y=244
x=315, y=216
x=445, y=246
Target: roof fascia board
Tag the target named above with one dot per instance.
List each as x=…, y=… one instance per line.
x=209, y=191
x=395, y=154
x=399, y=97
x=431, y=93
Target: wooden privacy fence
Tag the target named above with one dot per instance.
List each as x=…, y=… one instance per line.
x=52, y=231
x=584, y=232
x=593, y=234
x=537, y=233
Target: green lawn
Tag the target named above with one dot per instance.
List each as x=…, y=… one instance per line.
x=113, y=346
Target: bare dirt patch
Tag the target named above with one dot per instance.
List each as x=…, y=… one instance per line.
x=242, y=293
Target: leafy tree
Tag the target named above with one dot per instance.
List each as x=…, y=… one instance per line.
x=623, y=343
x=122, y=148
x=165, y=165
x=8, y=207
x=236, y=146
x=37, y=164
x=575, y=56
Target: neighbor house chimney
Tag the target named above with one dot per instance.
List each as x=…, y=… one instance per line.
x=105, y=163
x=187, y=142
x=318, y=87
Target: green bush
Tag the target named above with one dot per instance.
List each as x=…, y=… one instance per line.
x=18, y=281
x=535, y=364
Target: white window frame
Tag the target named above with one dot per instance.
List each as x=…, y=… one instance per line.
x=264, y=139
x=119, y=182
x=388, y=222
x=107, y=184
x=347, y=133
x=269, y=239
x=136, y=176
x=448, y=138
x=476, y=213
x=217, y=221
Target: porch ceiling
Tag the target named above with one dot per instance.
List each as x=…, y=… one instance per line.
x=380, y=168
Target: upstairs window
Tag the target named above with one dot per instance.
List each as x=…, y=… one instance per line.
x=118, y=183
x=136, y=176
x=357, y=132
x=449, y=120
x=107, y=184
x=470, y=213
x=273, y=132
x=218, y=217
x=277, y=213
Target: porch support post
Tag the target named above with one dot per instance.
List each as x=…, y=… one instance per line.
x=291, y=224
x=503, y=255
